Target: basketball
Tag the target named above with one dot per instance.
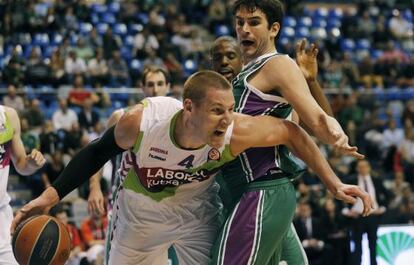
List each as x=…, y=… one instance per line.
x=41, y=239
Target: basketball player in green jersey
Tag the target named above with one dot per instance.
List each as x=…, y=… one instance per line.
x=12, y=149
x=226, y=60
x=269, y=84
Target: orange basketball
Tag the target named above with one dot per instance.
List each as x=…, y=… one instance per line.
x=41, y=239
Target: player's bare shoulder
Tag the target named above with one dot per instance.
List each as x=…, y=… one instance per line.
x=128, y=126
x=13, y=117
x=243, y=126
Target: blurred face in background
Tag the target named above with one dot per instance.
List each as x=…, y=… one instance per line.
x=363, y=168
x=226, y=59
x=155, y=84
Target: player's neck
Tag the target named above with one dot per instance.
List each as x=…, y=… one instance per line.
x=248, y=59
x=186, y=135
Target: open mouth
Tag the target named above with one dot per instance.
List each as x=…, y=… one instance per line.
x=218, y=133
x=247, y=43
x=226, y=71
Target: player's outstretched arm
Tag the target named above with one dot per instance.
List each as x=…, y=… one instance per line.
x=262, y=131
x=85, y=163
x=96, y=201
x=292, y=85
x=25, y=164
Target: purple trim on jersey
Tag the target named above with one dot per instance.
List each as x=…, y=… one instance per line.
x=255, y=105
x=242, y=231
x=261, y=160
x=5, y=154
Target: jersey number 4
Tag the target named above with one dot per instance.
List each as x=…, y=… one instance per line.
x=187, y=162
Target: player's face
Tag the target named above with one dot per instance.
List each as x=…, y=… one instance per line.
x=253, y=33
x=214, y=115
x=156, y=85
x=226, y=60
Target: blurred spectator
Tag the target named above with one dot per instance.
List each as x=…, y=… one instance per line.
x=88, y=117
x=83, y=50
x=400, y=28
x=366, y=25
x=153, y=59
x=52, y=169
x=71, y=22
x=37, y=71
x=333, y=76
x=13, y=100
x=407, y=74
x=93, y=230
x=57, y=67
x=34, y=114
x=110, y=43
x=312, y=235
x=49, y=139
x=104, y=99
x=392, y=136
x=369, y=77
x=381, y=34
x=94, y=40
x=335, y=227
x=74, y=65
x=78, y=94
x=177, y=91
x=14, y=71
x=350, y=70
x=30, y=140
x=351, y=116
x=73, y=139
x=174, y=67
x=143, y=42
x=397, y=187
x=406, y=150
x=50, y=22
x=408, y=112
x=63, y=118
x=359, y=226
x=118, y=70
x=98, y=68
x=216, y=14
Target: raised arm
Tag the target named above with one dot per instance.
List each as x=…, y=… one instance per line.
x=306, y=58
x=85, y=163
x=292, y=85
x=25, y=164
x=262, y=131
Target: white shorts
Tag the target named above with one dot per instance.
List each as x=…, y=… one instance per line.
x=6, y=252
x=143, y=229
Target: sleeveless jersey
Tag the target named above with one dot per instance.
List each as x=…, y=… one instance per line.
x=257, y=162
x=6, y=135
x=158, y=168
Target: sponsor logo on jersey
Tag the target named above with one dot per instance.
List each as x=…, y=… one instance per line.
x=158, y=150
x=156, y=157
x=214, y=154
x=156, y=179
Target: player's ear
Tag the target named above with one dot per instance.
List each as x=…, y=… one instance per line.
x=274, y=29
x=188, y=105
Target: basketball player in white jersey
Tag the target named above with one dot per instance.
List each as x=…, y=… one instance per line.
x=167, y=197
x=11, y=148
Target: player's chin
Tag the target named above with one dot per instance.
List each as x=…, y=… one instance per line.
x=216, y=141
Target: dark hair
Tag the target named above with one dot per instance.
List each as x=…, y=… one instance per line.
x=197, y=85
x=273, y=10
x=228, y=39
x=155, y=69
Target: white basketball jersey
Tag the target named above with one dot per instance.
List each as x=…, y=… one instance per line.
x=6, y=134
x=158, y=168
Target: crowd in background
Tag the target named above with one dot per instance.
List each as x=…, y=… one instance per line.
x=84, y=47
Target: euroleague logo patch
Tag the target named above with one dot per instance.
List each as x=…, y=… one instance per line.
x=214, y=154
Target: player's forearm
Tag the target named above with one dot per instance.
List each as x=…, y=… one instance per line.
x=327, y=129
x=86, y=163
x=319, y=96
x=94, y=181
x=25, y=168
x=302, y=145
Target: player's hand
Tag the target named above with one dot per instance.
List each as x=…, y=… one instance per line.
x=348, y=194
x=306, y=58
x=96, y=201
x=40, y=205
x=35, y=159
x=341, y=141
